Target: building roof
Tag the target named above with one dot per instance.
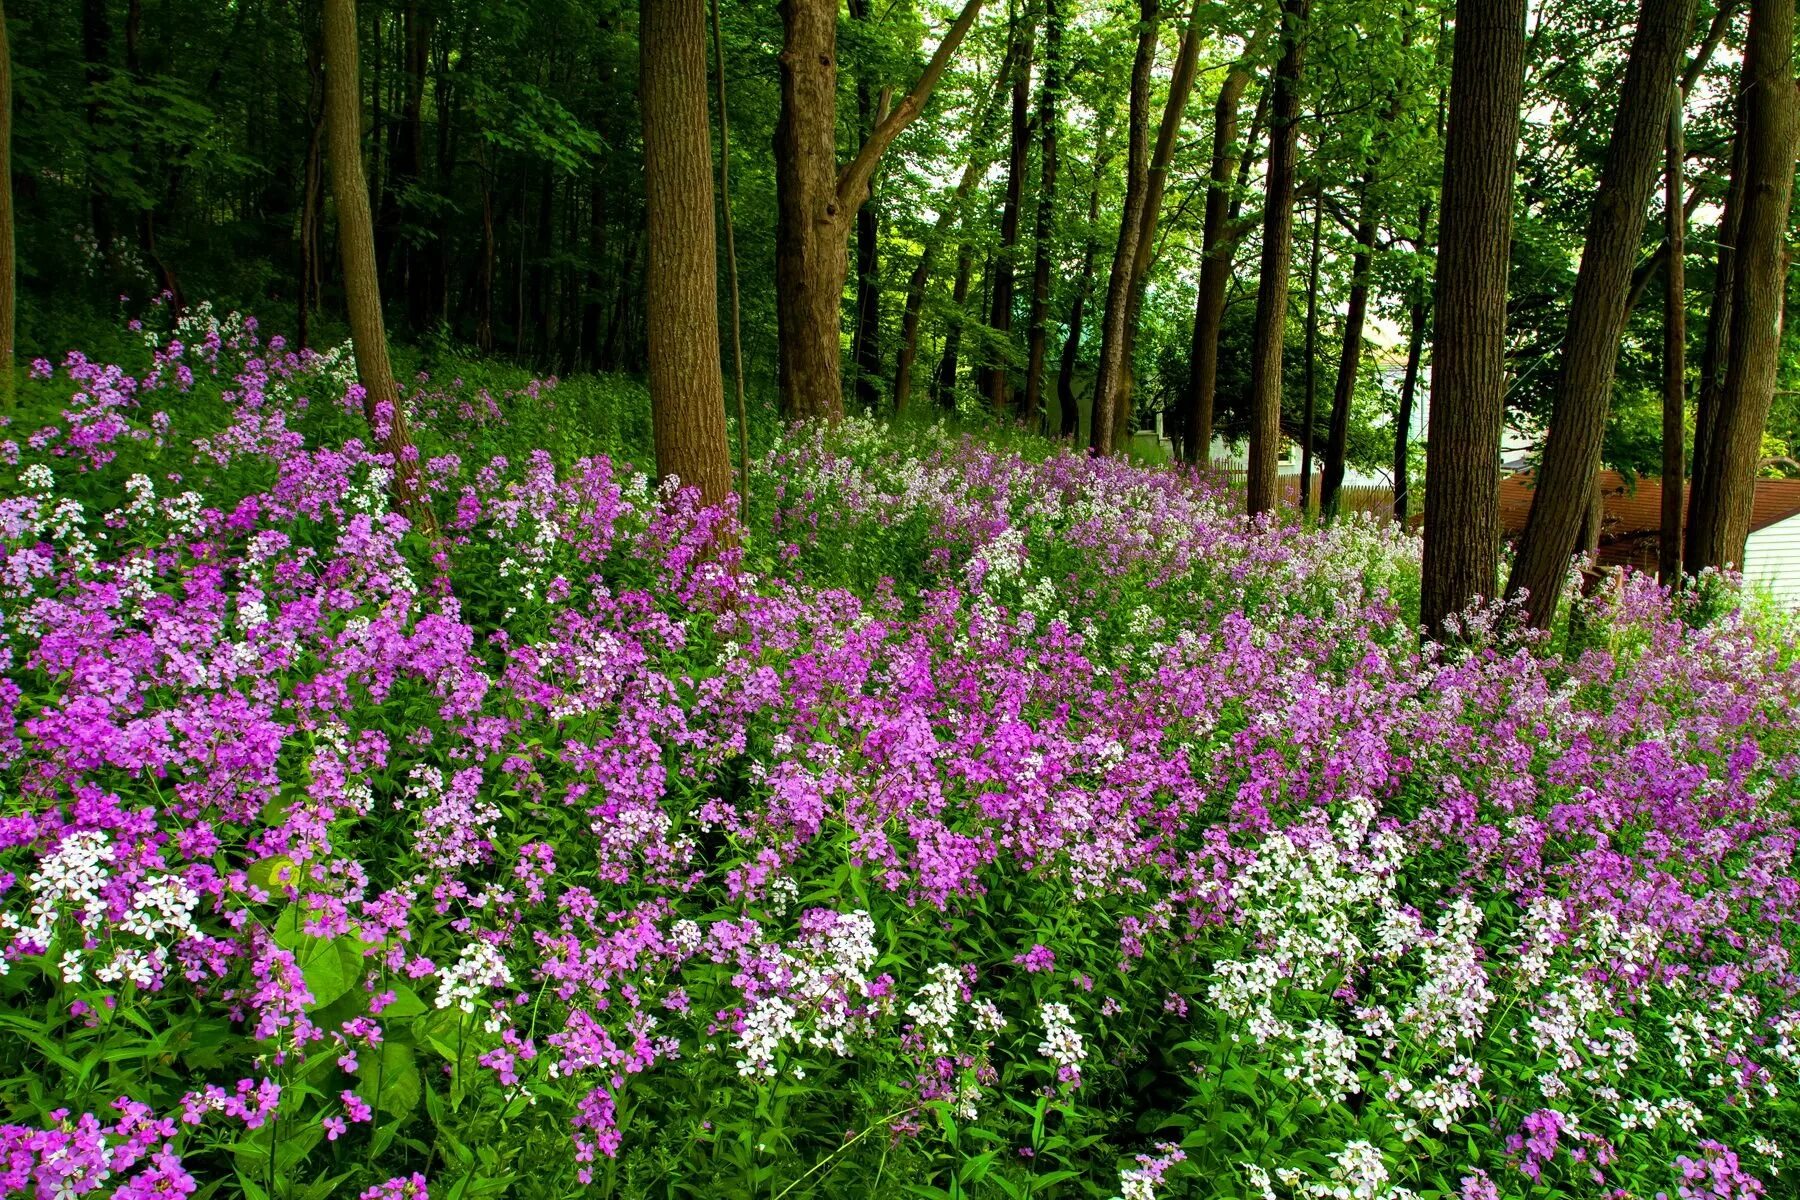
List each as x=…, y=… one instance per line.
x=1633, y=523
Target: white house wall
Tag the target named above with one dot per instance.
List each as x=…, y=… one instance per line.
x=1772, y=561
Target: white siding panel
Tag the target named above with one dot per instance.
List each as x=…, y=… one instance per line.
x=1772, y=561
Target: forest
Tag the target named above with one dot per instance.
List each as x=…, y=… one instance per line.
x=914, y=598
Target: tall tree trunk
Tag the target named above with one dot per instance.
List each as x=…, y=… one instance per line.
x=1044, y=231
x=731, y=262
x=943, y=386
x=312, y=202
x=815, y=200
x=1718, y=325
x=1720, y=509
x=1216, y=244
x=1468, y=369
x=96, y=35
x=1103, y=415
x=948, y=217
x=1156, y=182
x=1277, y=252
x=997, y=383
x=681, y=294
x=1337, y=440
x=865, y=338
x=8, y=270
x=356, y=243
x=1597, y=309
x=1310, y=370
x=1069, y=414
x=1403, y=418
x=1668, y=560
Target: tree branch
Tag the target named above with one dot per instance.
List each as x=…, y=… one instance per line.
x=853, y=180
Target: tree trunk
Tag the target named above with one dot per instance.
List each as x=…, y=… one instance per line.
x=1069, y=414
x=681, y=295
x=1468, y=370
x=996, y=382
x=8, y=270
x=1044, y=230
x=96, y=33
x=865, y=339
x=815, y=200
x=943, y=386
x=1103, y=416
x=1597, y=309
x=1277, y=253
x=1337, y=440
x=1409, y=387
x=731, y=262
x=1718, y=326
x=1668, y=560
x=1156, y=182
x=356, y=244
x=907, y=356
x=1720, y=509
x=1310, y=369
x=1215, y=272
x=312, y=202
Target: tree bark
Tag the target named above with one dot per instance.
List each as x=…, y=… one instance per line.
x=1103, y=416
x=1468, y=371
x=1674, y=433
x=8, y=269
x=815, y=200
x=1156, y=182
x=1337, y=439
x=681, y=294
x=96, y=34
x=1597, y=309
x=907, y=356
x=356, y=244
x=731, y=262
x=997, y=382
x=1069, y=414
x=1720, y=508
x=865, y=337
x=1044, y=230
x=1409, y=387
x=943, y=386
x=1310, y=369
x=1277, y=254
x=1215, y=272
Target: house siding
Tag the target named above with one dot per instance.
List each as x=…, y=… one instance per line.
x=1772, y=561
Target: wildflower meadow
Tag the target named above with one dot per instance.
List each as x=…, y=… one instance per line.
x=963, y=818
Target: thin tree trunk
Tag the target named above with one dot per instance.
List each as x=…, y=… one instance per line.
x=1721, y=505
x=681, y=295
x=8, y=270
x=1277, y=253
x=1156, y=182
x=356, y=242
x=1409, y=386
x=312, y=194
x=1468, y=370
x=1103, y=416
x=815, y=199
x=1597, y=308
x=1718, y=327
x=1069, y=414
x=1337, y=440
x=865, y=339
x=997, y=384
x=943, y=386
x=948, y=217
x=1215, y=271
x=737, y=319
x=96, y=33
x=1668, y=560
x=1311, y=370
x=1043, y=233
